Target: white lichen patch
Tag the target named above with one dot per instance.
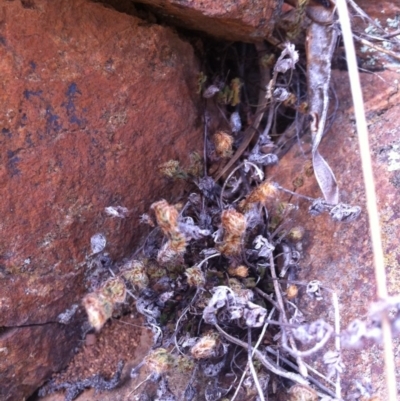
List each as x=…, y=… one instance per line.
x=66, y=316
x=394, y=158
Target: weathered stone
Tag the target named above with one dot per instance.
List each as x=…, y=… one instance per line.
x=340, y=254
x=91, y=102
x=232, y=20
x=385, y=21
x=29, y=355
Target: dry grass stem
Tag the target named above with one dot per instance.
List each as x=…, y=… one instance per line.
x=378, y=48
x=370, y=191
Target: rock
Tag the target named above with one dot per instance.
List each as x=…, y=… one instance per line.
x=31, y=354
x=92, y=101
x=340, y=254
x=232, y=20
x=385, y=21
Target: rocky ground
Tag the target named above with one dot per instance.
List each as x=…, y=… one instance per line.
x=94, y=97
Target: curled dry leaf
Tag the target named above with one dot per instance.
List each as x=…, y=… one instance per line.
x=280, y=94
x=210, y=91
x=98, y=243
x=314, y=290
x=263, y=159
x=263, y=247
x=321, y=42
x=334, y=362
x=346, y=213
x=292, y=291
x=235, y=122
x=254, y=315
x=312, y=332
x=288, y=59
x=191, y=231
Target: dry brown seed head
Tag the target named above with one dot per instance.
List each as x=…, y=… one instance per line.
x=172, y=169
x=235, y=285
x=267, y=189
x=166, y=215
x=308, y=168
x=195, y=277
x=296, y=233
x=205, y=347
x=223, y=144
x=303, y=108
x=159, y=361
x=114, y=289
x=230, y=246
x=240, y=271
x=98, y=308
x=292, y=291
x=196, y=164
x=298, y=182
x=233, y=222
x=261, y=194
x=234, y=225
x=135, y=273
x=154, y=270
x=184, y=364
x=268, y=60
x=170, y=254
x=167, y=218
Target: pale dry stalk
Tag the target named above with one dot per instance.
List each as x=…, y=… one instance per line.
x=370, y=192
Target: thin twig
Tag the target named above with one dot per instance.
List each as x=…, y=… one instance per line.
x=205, y=138
x=268, y=298
x=377, y=48
x=261, y=336
x=266, y=361
x=312, y=379
x=373, y=215
x=294, y=193
x=142, y=382
x=251, y=366
x=180, y=318
x=364, y=15
x=208, y=257
x=296, y=353
x=392, y=35
x=335, y=303
x=302, y=368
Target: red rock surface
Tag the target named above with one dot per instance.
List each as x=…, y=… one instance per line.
x=339, y=254
x=91, y=102
x=232, y=20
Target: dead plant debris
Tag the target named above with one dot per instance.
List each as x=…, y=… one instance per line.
x=215, y=278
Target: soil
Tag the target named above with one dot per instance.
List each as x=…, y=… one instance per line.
x=120, y=339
